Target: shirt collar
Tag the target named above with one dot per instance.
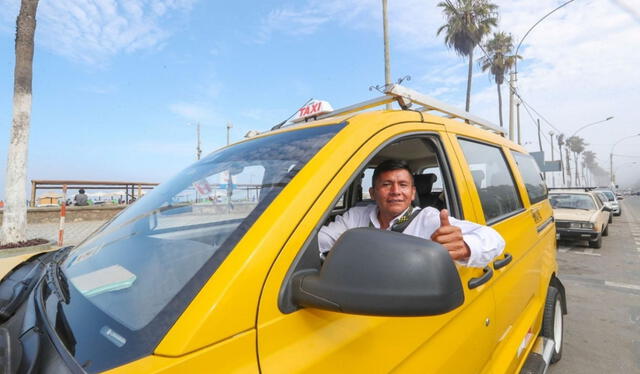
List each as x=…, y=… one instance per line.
x=373, y=216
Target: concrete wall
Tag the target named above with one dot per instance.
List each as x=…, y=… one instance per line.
x=105, y=212
x=74, y=213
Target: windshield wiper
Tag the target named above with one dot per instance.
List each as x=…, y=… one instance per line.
x=56, y=280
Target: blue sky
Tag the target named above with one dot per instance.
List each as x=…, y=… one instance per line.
x=118, y=83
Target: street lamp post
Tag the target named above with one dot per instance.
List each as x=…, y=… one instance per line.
x=613, y=178
x=198, y=149
x=229, y=126
x=513, y=77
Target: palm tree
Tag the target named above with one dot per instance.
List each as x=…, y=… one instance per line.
x=14, y=218
x=576, y=145
x=588, y=162
x=467, y=23
x=499, y=59
x=560, y=144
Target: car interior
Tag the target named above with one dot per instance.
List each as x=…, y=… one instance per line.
x=433, y=183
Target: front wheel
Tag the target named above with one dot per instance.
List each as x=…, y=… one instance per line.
x=611, y=218
x=606, y=231
x=596, y=243
x=553, y=322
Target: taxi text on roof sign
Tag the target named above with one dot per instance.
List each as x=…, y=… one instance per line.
x=314, y=108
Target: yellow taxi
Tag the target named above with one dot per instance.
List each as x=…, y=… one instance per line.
x=218, y=270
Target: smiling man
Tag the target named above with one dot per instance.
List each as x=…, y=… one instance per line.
x=393, y=190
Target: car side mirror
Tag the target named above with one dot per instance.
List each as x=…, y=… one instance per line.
x=383, y=273
x=606, y=209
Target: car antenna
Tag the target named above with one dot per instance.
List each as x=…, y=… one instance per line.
x=285, y=121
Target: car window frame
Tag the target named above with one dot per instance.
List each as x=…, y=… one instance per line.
x=453, y=199
x=524, y=182
x=500, y=148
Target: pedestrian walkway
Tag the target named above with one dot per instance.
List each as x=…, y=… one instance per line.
x=74, y=232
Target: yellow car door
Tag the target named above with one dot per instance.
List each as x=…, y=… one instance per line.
x=315, y=340
x=517, y=284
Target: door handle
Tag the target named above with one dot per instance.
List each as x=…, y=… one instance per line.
x=498, y=264
x=475, y=282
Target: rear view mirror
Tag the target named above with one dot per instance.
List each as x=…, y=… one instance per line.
x=384, y=273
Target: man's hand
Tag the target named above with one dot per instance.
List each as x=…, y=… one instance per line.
x=451, y=238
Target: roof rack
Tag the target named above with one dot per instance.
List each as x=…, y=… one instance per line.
x=405, y=97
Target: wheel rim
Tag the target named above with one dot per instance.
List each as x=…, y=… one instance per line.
x=557, y=326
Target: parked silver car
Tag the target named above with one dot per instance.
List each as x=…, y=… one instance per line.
x=613, y=200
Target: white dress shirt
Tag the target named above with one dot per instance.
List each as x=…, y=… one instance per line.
x=484, y=242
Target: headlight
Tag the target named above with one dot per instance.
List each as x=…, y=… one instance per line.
x=581, y=225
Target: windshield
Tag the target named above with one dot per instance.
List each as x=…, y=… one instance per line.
x=572, y=201
x=130, y=281
x=609, y=195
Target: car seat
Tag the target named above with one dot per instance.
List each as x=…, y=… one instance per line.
x=424, y=196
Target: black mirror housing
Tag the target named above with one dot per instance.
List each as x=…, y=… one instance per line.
x=607, y=209
x=384, y=273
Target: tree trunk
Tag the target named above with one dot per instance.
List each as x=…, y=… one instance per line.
x=499, y=104
x=14, y=218
x=577, y=172
x=469, y=75
x=561, y=164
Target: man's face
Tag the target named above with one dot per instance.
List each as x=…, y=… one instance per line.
x=393, y=191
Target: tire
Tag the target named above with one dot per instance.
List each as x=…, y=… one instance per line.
x=606, y=231
x=553, y=322
x=596, y=243
x=611, y=218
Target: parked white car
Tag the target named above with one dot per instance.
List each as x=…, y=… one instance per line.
x=613, y=199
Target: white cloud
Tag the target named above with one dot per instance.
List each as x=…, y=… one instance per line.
x=92, y=31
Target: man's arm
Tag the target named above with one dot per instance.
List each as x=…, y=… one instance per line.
x=468, y=243
x=328, y=234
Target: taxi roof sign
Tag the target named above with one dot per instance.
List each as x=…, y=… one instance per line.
x=312, y=109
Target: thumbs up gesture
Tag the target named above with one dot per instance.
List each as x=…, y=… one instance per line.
x=451, y=238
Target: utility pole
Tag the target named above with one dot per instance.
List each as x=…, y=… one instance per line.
x=512, y=106
x=560, y=137
x=387, y=63
x=198, y=149
x=229, y=126
x=566, y=150
x=553, y=177
x=539, y=138
x=613, y=178
x=518, y=121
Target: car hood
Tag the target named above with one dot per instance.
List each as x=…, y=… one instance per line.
x=574, y=214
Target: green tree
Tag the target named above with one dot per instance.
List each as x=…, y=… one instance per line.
x=14, y=218
x=467, y=23
x=499, y=60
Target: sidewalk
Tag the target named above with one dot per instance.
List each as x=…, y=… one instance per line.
x=74, y=232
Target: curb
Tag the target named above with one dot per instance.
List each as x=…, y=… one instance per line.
x=34, y=249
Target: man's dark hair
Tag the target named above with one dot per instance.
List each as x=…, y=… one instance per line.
x=389, y=165
x=81, y=190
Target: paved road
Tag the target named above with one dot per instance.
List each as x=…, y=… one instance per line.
x=602, y=329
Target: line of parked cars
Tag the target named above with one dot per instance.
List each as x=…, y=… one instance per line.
x=584, y=214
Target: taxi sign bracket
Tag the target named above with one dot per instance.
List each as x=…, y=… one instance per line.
x=405, y=97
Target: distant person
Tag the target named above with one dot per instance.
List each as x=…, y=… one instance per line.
x=81, y=198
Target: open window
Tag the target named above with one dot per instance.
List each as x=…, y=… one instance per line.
x=434, y=182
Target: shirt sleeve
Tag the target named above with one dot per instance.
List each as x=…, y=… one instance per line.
x=330, y=233
x=484, y=243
